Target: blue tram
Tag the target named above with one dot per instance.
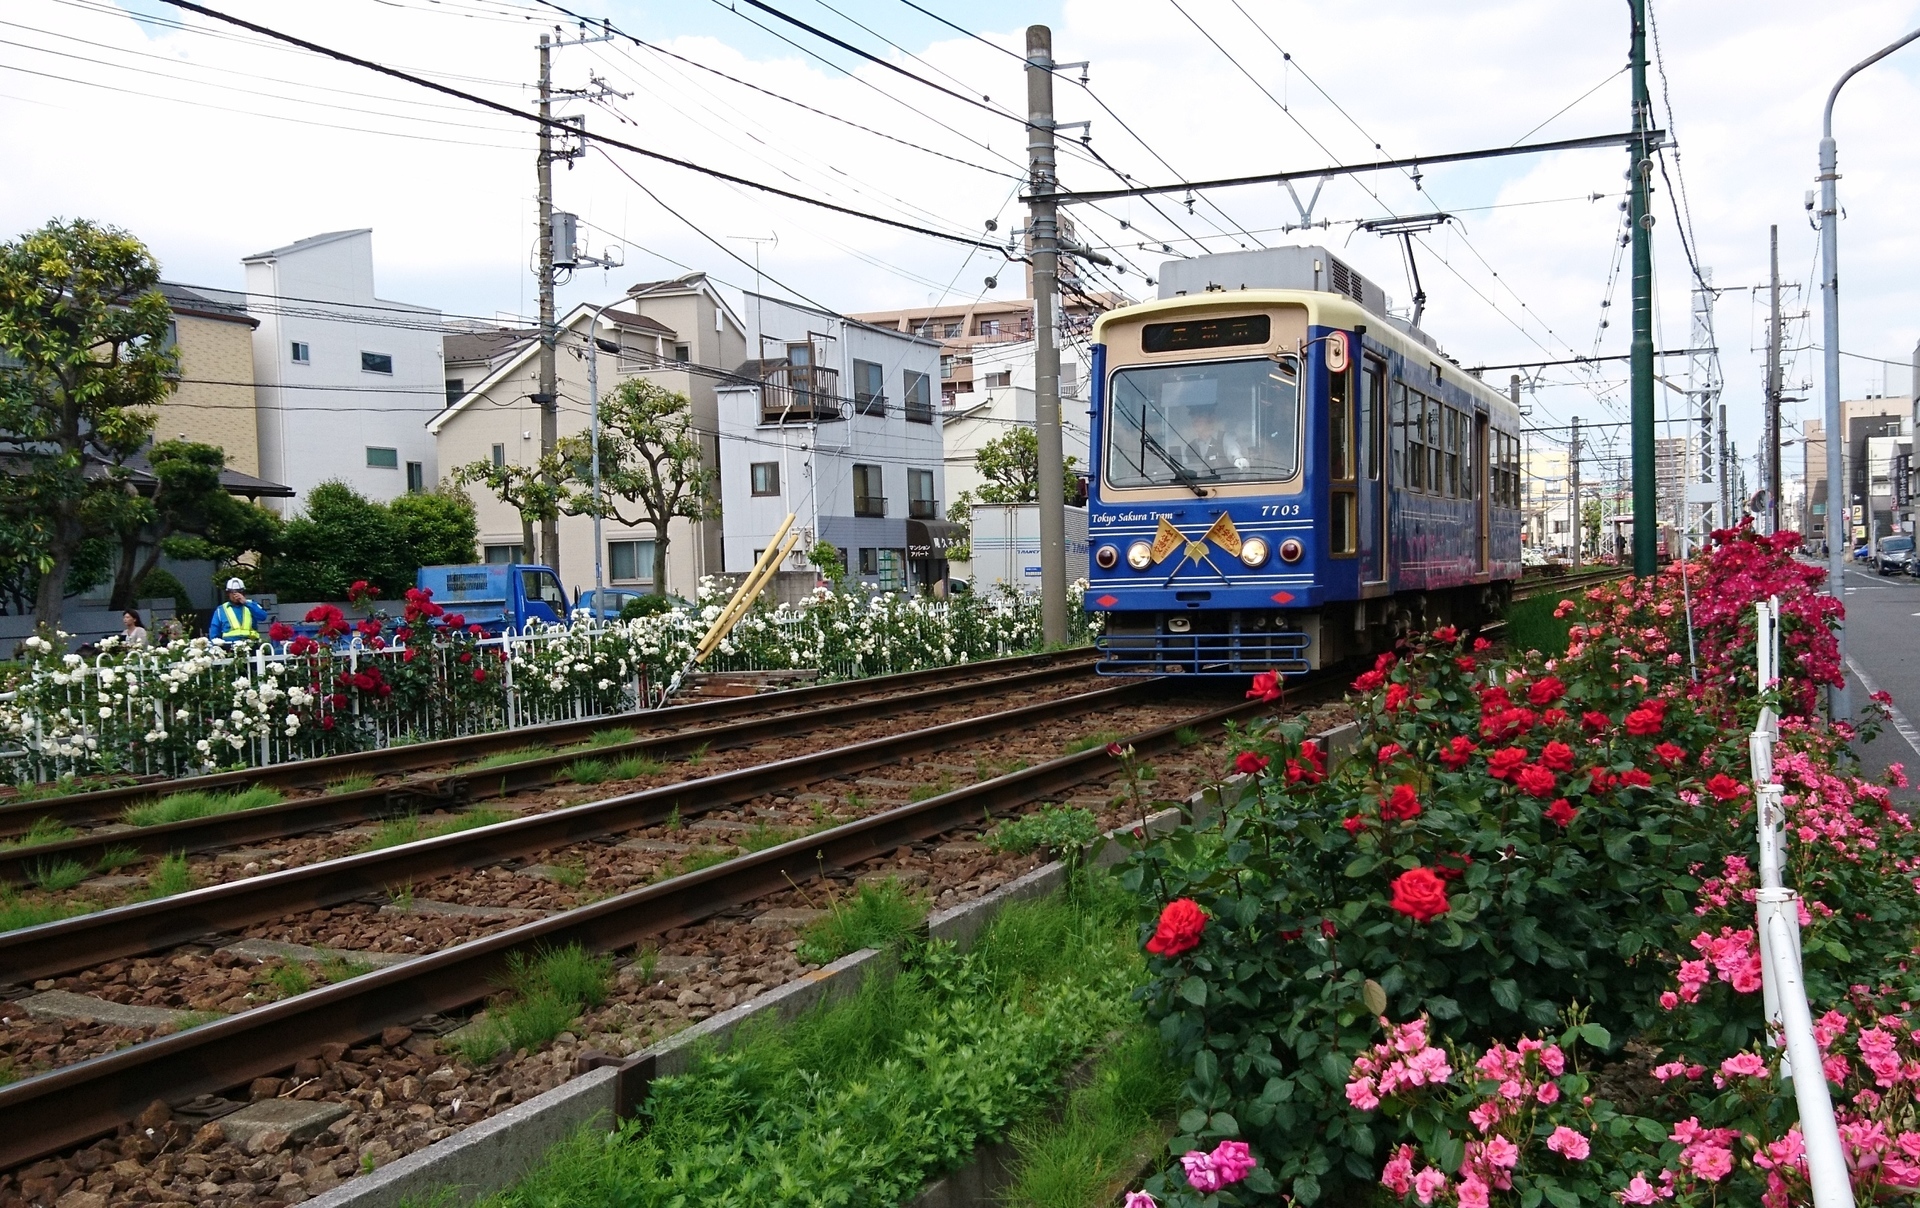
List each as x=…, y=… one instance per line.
x=1283, y=476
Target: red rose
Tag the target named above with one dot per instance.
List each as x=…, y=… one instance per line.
x=1247, y=763
x=279, y=632
x=1668, y=754
x=1453, y=872
x=1388, y=752
x=1594, y=722
x=1310, y=751
x=1446, y=633
x=1180, y=926
x=1457, y=752
x=1481, y=645
x=455, y=620
x=1397, y=696
x=1635, y=778
x=1403, y=805
x=1554, y=717
x=1534, y=780
x=1328, y=929
x=479, y=675
x=1601, y=779
x=1466, y=664
x=1643, y=723
x=1545, y=691
x=1290, y=935
x=1492, y=700
x=1421, y=894
x=1266, y=687
x=1502, y=764
x=1725, y=787
x=1368, y=681
x=1355, y=824
x=1560, y=813
x=1558, y=756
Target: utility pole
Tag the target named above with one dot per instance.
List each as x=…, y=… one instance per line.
x=1703, y=388
x=1573, y=487
x=1646, y=492
x=548, y=398
x=1043, y=227
x=1774, y=342
x=1728, y=496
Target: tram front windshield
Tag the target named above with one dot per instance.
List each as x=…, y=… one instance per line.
x=1203, y=425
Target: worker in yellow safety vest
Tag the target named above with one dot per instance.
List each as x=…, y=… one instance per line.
x=239, y=620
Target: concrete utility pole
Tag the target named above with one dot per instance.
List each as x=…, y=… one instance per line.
x=548, y=398
x=1773, y=390
x=1728, y=496
x=1043, y=228
x=1646, y=489
x=1573, y=489
x=1839, y=543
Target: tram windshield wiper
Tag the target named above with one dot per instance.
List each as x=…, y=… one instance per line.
x=1185, y=477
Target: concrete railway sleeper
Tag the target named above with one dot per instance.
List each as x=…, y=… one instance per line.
x=44, y=1114
x=105, y=805
x=20, y=865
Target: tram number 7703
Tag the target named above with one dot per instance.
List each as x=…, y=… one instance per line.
x=1279, y=509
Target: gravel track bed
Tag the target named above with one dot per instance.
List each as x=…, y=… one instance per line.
x=409, y=1089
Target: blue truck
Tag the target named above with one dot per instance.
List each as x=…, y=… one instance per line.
x=496, y=597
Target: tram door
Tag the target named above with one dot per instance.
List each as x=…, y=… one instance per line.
x=1373, y=443
x=1481, y=485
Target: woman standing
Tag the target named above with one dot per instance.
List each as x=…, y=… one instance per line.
x=132, y=632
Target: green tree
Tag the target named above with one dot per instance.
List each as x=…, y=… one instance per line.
x=436, y=528
x=533, y=491
x=649, y=459
x=188, y=517
x=341, y=536
x=1011, y=466
x=1590, y=518
x=86, y=333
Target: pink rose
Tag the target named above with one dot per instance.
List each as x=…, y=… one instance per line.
x=1569, y=1144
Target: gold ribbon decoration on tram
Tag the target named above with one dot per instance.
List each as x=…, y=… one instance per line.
x=1166, y=539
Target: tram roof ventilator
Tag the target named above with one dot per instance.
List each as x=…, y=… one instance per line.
x=1310, y=268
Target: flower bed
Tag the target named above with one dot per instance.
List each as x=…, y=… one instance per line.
x=1505, y=954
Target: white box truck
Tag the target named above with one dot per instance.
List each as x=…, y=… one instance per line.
x=1006, y=545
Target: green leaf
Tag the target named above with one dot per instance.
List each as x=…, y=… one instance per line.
x=1224, y=1124
x=1374, y=996
x=1530, y=1198
x=1194, y=990
x=1442, y=1007
x=1562, y=1197
x=1506, y=992
x=1193, y=1120
x=1360, y=866
x=1306, y=1189
x=1651, y=1131
x=1596, y=1036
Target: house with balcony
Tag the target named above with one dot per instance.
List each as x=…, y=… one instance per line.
x=834, y=421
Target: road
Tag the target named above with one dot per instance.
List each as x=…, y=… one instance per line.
x=1883, y=652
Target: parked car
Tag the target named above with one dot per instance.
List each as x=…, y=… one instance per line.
x=603, y=604
x=1895, y=557
x=1863, y=552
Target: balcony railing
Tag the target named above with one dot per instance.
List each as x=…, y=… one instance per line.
x=919, y=413
x=923, y=509
x=870, y=505
x=870, y=404
x=801, y=395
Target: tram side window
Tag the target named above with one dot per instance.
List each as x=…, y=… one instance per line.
x=1453, y=452
x=1469, y=485
x=1416, y=441
x=1373, y=398
x=1340, y=429
x=1436, y=478
x=1397, y=453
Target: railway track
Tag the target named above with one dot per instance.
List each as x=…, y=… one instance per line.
x=1545, y=585
x=61, y=1108
x=107, y=804
x=698, y=732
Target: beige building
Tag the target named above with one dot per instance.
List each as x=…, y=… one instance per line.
x=1864, y=418
x=679, y=334
x=1547, y=521
x=965, y=327
x=213, y=401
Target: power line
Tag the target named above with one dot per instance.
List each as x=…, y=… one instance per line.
x=569, y=129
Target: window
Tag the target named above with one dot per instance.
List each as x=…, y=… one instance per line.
x=946, y=367
x=383, y=459
x=1453, y=427
x=766, y=477
x=376, y=362
x=499, y=456
x=1203, y=424
x=542, y=587
x=1003, y=378
x=1416, y=441
x=1340, y=431
x=455, y=388
x=1343, y=530
x=869, y=388
x=869, y=561
x=917, y=391
x=1434, y=446
x=921, y=504
x=893, y=569
x=682, y=353
x=989, y=327
x=630, y=561
x=416, y=477
x=1374, y=387
x=302, y=354
x=951, y=331
x=504, y=555
x=869, y=491
x=1397, y=453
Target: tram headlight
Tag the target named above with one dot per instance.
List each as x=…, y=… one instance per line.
x=1253, y=551
x=1290, y=550
x=1139, y=555
x=1106, y=557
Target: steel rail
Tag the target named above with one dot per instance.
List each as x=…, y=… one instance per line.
x=64, y=1107
x=21, y=865
x=106, y=804
x=31, y=953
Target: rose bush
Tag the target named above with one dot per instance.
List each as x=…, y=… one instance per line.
x=1522, y=842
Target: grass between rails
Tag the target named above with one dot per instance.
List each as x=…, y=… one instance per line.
x=182, y=807
x=412, y=828
x=43, y=830
x=543, y=996
x=861, y=1102
x=1531, y=624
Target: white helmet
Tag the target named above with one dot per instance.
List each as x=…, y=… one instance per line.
x=236, y=585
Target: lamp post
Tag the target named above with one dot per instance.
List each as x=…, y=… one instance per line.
x=593, y=397
x=1838, y=704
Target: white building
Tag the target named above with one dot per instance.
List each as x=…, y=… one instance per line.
x=835, y=421
x=680, y=335
x=345, y=381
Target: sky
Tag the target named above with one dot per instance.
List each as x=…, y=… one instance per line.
x=211, y=143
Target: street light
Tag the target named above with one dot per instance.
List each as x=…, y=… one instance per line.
x=1838, y=705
